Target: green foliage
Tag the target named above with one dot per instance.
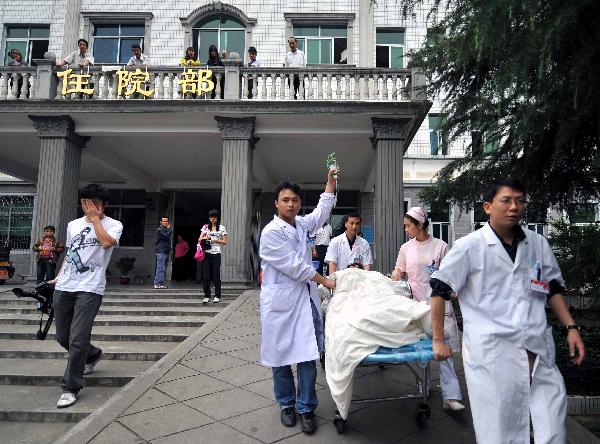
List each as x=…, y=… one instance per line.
x=125, y=265
x=525, y=73
x=577, y=249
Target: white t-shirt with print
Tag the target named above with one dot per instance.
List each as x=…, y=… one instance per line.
x=86, y=261
x=214, y=235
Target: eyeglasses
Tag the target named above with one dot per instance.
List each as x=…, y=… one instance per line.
x=519, y=201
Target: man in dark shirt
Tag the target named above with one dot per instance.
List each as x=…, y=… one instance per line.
x=162, y=247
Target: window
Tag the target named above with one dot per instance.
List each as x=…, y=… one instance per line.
x=223, y=31
x=112, y=42
x=434, y=36
x=389, y=49
x=437, y=138
x=32, y=41
x=585, y=213
x=440, y=221
x=536, y=219
x=323, y=44
x=129, y=207
x=16, y=216
x=482, y=143
x=480, y=217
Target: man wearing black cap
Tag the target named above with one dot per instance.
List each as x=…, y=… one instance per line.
x=253, y=63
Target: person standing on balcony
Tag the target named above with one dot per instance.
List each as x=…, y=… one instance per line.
x=162, y=248
x=16, y=59
x=190, y=58
x=505, y=277
x=138, y=59
x=295, y=58
x=215, y=60
x=417, y=259
x=292, y=329
x=80, y=58
x=47, y=251
x=253, y=63
x=80, y=287
x=212, y=236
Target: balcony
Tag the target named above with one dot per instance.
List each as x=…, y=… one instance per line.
x=314, y=83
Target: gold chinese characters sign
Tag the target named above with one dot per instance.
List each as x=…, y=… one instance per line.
x=132, y=82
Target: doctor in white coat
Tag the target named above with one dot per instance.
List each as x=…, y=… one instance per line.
x=292, y=331
x=504, y=276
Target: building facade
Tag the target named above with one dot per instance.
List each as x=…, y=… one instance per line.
x=168, y=150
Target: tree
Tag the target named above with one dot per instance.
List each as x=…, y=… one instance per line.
x=522, y=76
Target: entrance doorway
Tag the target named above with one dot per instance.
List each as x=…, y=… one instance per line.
x=191, y=213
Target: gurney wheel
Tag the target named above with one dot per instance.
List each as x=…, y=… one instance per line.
x=340, y=425
x=423, y=414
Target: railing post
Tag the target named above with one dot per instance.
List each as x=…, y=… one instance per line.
x=233, y=80
x=46, y=80
x=418, y=82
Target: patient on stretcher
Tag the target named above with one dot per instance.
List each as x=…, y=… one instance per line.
x=367, y=311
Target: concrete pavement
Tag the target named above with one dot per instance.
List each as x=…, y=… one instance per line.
x=210, y=389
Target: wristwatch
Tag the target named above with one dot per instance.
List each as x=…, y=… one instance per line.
x=573, y=327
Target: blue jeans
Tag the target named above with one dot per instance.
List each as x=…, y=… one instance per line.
x=161, y=266
x=305, y=396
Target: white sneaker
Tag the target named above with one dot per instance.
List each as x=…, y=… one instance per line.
x=89, y=368
x=455, y=406
x=216, y=300
x=66, y=400
x=205, y=300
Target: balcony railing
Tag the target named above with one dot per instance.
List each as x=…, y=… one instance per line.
x=239, y=83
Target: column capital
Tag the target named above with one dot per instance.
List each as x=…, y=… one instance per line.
x=236, y=127
x=386, y=128
x=58, y=127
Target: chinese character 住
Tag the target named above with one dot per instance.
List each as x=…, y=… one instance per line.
x=74, y=83
x=133, y=82
x=196, y=82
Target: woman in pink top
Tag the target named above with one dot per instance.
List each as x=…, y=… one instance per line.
x=417, y=259
x=179, y=264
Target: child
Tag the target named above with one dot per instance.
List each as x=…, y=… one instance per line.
x=48, y=249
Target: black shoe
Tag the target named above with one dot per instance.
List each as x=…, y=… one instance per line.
x=288, y=417
x=307, y=423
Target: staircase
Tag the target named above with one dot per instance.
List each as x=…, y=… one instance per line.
x=135, y=327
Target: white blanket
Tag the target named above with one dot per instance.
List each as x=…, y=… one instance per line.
x=366, y=312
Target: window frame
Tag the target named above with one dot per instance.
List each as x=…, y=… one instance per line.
x=320, y=38
x=433, y=224
x=218, y=16
x=294, y=20
x=33, y=203
x=28, y=39
x=442, y=140
x=390, y=46
x=120, y=39
x=93, y=18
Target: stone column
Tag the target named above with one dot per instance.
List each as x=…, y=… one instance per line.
x=390, y=137
x=58, y=174
x=236, y=195
x=71, y=26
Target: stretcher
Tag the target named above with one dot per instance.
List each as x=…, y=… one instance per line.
x=417, y=358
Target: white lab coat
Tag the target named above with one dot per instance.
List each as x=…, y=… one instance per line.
x=502, y=318
x=339, y=252
x=288, y=332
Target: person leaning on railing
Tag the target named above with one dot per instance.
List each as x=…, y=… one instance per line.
x=190, y=58
x=16, y=59
x=80, y=58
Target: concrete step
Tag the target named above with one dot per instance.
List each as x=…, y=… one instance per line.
x=116, y=351
x=106, y=333
x=133, y=302
x=32, y=403
x=148, y=321
x=33, y=432
x=23, y=371
x=203, y=310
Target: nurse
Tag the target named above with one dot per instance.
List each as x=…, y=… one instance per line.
x=417, y=259
x=292, y=332
x=504, y=276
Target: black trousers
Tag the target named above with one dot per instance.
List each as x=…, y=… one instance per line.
x=75, y=313
x=321, y=252
x=46, y=270
x=211, y=271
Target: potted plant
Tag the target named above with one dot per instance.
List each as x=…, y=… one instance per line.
x=125, y=265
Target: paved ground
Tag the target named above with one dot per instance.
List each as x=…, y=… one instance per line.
x=212, y=390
